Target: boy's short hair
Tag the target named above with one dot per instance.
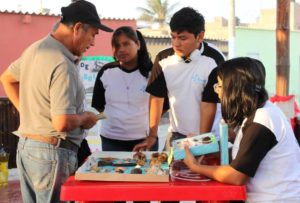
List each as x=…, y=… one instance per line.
x=187, y=19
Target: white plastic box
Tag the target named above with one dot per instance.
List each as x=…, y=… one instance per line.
x=199, y=145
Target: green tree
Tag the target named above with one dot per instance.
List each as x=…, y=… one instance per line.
x=156, y=11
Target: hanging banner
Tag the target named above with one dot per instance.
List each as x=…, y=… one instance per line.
x=89, y=66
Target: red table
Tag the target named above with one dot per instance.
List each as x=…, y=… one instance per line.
x=73, y=190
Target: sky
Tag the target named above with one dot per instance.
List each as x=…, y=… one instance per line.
x=246, y=10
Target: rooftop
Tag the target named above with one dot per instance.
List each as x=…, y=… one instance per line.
x=47, y=12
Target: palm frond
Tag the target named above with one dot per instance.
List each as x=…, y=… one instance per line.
x=156, y=11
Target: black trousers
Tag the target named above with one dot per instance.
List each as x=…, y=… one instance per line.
x=171, y=137
x=83, y=152
x=122, y=145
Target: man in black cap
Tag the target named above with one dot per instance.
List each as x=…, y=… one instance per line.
x=84, y=12
x=80, y=15
x=44, y=85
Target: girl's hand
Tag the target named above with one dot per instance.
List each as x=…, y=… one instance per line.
x=189, y=159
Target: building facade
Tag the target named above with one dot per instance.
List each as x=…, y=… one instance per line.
x=19, y=30
x=261, y=44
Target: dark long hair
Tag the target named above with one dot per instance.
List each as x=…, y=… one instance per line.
x=243, y=89
x=144, y=60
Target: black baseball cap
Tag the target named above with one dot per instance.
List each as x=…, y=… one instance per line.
x=84, y=12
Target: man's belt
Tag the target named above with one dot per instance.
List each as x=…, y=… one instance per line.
x=58, y=142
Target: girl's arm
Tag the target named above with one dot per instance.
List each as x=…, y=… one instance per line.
x=224, y=174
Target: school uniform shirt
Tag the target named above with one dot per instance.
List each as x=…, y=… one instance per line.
x=121, y=95
x=186, y=85
x=209, y=50
x=266, y=150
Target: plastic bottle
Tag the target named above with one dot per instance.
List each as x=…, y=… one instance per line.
x=224, y=142
x=3, y=166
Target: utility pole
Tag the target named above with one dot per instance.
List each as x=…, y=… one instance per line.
x=283, y=47
x=231, y=30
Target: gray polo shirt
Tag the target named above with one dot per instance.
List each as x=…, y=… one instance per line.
x=49, y=86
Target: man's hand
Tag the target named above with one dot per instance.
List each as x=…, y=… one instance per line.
x=90, y=119
x=146, y=144
x=155, y=112
x=68, y=122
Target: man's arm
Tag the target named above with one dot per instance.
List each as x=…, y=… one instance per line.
x=11, y=88
x=207, y=113
x=68, y=122
x=155, y=112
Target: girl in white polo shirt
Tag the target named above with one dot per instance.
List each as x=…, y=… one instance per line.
x=119, y=92
x=266, y=155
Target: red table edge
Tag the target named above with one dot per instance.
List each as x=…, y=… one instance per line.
x=72, y=190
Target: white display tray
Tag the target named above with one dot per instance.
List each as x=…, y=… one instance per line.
x=84, y=172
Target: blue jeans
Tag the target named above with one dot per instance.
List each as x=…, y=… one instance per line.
x=43, y=168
